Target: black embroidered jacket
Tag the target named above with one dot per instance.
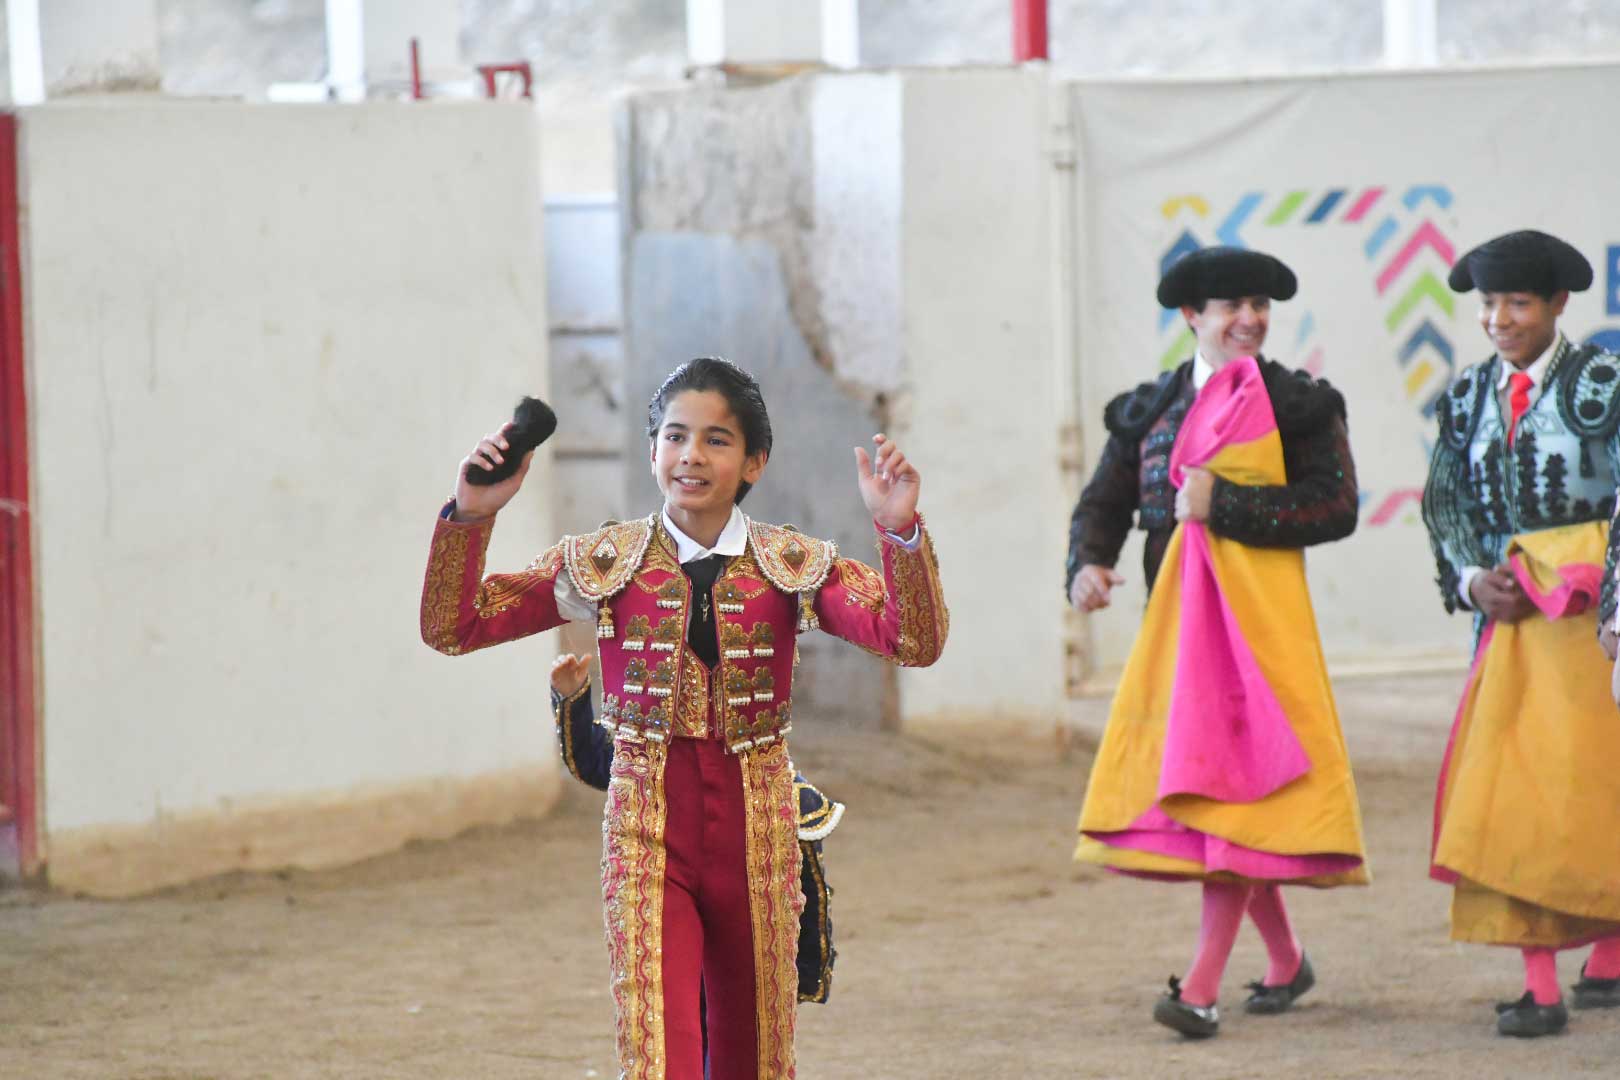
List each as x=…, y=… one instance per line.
x=1318, y=503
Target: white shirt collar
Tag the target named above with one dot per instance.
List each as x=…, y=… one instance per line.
x=1203, y=370
x=1538, y=370
x=733, y=539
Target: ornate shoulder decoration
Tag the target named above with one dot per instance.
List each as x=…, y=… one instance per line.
x=1130, y=414
x=1588, y=391
x=601, y=563
x=1458, y=409
x=790, y=560
x=1301, y=402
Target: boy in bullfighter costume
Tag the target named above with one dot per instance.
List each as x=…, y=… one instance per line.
x=697, y=610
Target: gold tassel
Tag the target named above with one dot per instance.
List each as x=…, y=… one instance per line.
x=604, y=620
x=807, y=615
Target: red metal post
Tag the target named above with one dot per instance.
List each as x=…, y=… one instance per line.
x=520, y=68
x=1029, y=30
x=416, y=69
x=19, y=720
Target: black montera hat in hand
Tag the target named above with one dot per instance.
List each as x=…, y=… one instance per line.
x=532, y=424
x=1225, y=273
x=1524, y=261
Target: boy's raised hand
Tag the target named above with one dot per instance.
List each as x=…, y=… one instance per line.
x=475, y=502
x=569, y=673
x=889, y=484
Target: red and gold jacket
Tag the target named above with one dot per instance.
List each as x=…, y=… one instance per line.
x=654, y=689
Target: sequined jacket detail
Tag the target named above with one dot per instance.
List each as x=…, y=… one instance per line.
x=1562, y=469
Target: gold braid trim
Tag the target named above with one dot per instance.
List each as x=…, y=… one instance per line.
x=774, y=903
x=790, y=560
x=441, y=589
x=502, y=592
x=807, y=852
x=633, y=858
x=565, y=729
x=691, y=707
x=601, y=563
x=925, y=621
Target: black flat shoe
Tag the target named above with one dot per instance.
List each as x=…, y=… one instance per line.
x=1524, y=1019
x=1193, y=1021
x=1596, y=993
x=1271, y=1000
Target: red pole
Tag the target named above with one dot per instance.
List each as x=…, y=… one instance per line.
x=416, y=70
x=19, y=721
x=1029, y=30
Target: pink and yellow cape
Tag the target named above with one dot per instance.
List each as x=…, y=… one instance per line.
x=1223, y=757
x=1527, y=810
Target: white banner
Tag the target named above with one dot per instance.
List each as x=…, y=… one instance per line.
x=1369, y=186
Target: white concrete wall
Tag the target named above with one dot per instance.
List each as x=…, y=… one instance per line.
x=979, y=413
x=260, y=339
x=857, y=157
x=89, y=45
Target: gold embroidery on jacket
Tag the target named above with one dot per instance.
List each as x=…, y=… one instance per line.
x=775, y=901
x=633, y=864
x=503, y=592
x=636, y=633
x=790, y=560
x=823, y=898
x=764, y=685
x=864, y=585
x=441, y=591
x=924, y=620
x=692, y=701
x=733, y=640
x=635, y=676
x=739, y=687
x=563, y=712
x=667, y=635
x=662, y=683
x=601, y=563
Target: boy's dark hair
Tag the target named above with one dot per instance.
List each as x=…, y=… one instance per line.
x=742, y=394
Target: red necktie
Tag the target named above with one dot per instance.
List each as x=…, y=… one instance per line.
x=1519, y=385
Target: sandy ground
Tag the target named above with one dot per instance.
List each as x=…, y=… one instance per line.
x=969, y=945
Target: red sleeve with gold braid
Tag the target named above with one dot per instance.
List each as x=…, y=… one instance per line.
x=901, y=615
x=462, y=610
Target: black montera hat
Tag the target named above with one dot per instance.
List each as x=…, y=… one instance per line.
x=1224, y=273
x=1524, y=261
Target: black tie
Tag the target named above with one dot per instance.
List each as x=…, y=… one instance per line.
x=700, y=634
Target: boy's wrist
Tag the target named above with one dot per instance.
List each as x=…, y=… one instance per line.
x=903, y=528
x=454, y=513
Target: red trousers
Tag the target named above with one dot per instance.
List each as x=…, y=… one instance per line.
x=708, y=931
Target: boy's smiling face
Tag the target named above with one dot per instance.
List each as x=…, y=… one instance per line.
x=698, y=455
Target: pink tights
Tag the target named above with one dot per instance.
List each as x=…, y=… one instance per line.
x=1541, y=968
x=1224, y=905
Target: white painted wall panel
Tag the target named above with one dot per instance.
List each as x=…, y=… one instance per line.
x=260, y=339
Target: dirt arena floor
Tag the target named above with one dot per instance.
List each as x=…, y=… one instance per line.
x=969, y=945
